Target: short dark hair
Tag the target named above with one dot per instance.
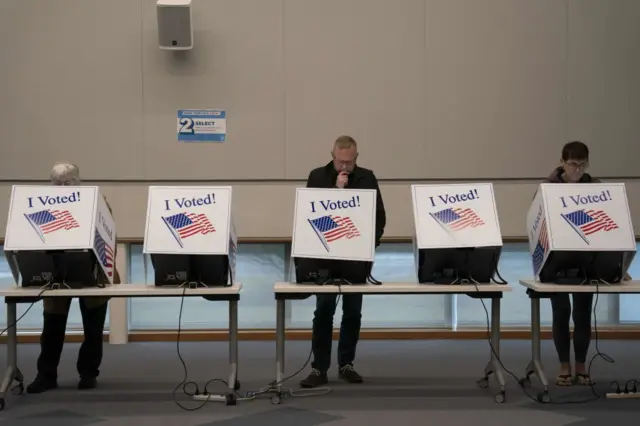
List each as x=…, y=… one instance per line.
x=575, y=150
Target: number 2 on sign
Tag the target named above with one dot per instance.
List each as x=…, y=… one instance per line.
x=186, y=125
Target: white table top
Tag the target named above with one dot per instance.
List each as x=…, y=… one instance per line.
x=389, y=288
x=622, y=288
x=121, y=290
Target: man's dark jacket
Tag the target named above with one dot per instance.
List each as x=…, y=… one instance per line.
x=360, y=178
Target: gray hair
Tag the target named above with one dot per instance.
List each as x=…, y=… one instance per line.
x=65, y=174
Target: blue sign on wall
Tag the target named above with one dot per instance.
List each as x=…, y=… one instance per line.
x=202, y=125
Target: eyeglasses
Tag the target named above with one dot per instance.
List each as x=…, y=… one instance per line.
x=577, y=166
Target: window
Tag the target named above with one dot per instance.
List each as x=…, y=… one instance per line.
x=630, y=303
x=393, y=263
x=32, y=321
x=515, y=264
x=258, y=268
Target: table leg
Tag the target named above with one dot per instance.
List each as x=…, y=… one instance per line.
x=535, y=366
x=495, y=342
x=280, y=343
x=12, y=372
x=234, y=384
x=493, y=366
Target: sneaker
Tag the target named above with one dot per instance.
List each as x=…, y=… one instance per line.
x=349, y=374
x=86, y=383
x=42, y=384
x=314, y=379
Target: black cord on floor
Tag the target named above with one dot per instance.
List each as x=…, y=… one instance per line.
x=493, y=351
x=275, y=384
x=598, y=354
x=185, y=383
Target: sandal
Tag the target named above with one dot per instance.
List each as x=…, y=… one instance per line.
x=583, y=379
x=564, y=380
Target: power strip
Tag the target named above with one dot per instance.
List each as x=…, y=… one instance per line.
x=623, y=395
x=209, y=398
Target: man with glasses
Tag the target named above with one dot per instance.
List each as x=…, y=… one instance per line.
x=56, y=312
x=341, y=172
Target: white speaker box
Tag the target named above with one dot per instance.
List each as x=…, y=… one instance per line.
x=175, y=25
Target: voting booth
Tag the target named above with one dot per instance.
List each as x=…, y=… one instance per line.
x=60, y=236
x=580, y=233
x=456, y=233
x=190, y=236
x=334, y=235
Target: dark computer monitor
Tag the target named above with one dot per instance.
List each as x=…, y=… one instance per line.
x=583, y=267
x=327, y=271
x=192, y=270
x=59, y=268
x=458, y=265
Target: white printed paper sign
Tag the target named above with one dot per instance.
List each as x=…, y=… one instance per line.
x=62, y=218
x=455, y=215
x=334, y=224
x=188, y=220
x=589, y=216
x=538, y=233
x=51, y=217
x=202, y=125
x=579, y=217
x=104, y=239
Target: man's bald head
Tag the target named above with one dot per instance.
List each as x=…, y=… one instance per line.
x=65, y=174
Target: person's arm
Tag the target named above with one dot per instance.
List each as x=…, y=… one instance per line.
x=381, y=214
x=313, y=180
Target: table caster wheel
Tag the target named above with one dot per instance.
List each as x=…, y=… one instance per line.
x=544, y=397
x=236, y=385
x=483, y=383
x=500, y=398
x=230, y=399
x=18, y=389
x=276, y=399
x=1, y=404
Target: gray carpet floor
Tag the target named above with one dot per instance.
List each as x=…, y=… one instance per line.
x=407, y=382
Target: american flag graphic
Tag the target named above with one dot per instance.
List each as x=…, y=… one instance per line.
x=331, y=228
x=185, y=225
x=47, y=221
x=590, y=221
x=541, y=247
x=456, y=219
x=104, y=253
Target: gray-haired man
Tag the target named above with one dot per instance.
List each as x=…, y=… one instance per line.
x=56, y=311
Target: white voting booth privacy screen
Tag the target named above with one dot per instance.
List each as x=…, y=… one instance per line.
x=61, y=218
x=455, y=215
x=579, y=217
x=189, y=220
x=334, y=224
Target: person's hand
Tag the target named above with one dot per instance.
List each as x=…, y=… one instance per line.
x=343, y=178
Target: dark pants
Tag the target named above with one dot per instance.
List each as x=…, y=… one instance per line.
x=561, y=307
x=323, y=330
x=52, y=341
